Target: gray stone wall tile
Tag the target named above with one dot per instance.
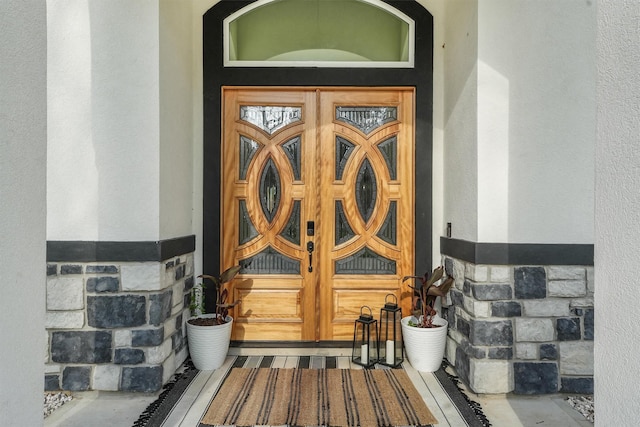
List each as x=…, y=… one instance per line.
x=70, y=269
x=576, y=385
x=448, y=266
x=491, y=333
x=466, y=288
x=535, y=378
x=186, y=301
x=530, y=283
x=178, y=294
x=506, y=309
x=76, y=378
x=500, y=274
x=481, y=309
x=147, y=337
x=188, y=283
x=157, y=355
x=122, y=337
x=128, y=356
x=458, y=273
x=141, y=277
x=505, y=353
x=591, y=283
x=588, y=324
x=457, y=298
x=52, y=269
x=567, y=288
x=582, y=302
x=64, y=319
x=160, y=307
x=178, y=341
x=568, y=329
x=548, y=351
x=476, y=273
x=473, y=351
x=462, y=326
x=179, y=272
x=118, y=311
x=534, y=330
x=462, y=365
x=550, y=307
x=190, y=265
x=81, y=346
x=576, y=358
x=101, y=269
x=65, y=293
x=51, y=382
x=562, y=272
x=491, y=376
x=468, y=304
x=141, y=379
x=526, y=351
x=491, y=292
x=103, y=284
x=106, y=377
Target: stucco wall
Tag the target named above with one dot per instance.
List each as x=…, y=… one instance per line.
x=22, y=210
x=460, y=197
x=120, y=120
x=519, y=111
x=538, y=65
x=616, y=214
x=176, y=118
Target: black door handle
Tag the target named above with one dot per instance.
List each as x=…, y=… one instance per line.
x=310, y=248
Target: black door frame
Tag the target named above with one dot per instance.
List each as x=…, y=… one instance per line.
x=215, y=76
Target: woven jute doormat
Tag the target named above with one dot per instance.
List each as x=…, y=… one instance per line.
x=317, y=397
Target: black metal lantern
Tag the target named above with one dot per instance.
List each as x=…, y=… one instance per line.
x=365, y=339
x=390, y=349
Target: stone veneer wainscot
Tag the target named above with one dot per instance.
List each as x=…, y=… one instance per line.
x=117, y=326
x=526, y=329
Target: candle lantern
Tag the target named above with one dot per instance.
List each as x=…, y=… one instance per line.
x=390, y=349
x=365, y=338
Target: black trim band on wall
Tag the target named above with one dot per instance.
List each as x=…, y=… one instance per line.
x=517, y=253
x=91, y=251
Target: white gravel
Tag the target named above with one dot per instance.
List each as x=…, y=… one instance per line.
x=584, y=405
x=53, y=401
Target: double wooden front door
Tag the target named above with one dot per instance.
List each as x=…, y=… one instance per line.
x=317, y=205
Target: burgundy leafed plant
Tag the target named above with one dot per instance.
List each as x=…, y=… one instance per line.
x=222, y=293
x=424, y=296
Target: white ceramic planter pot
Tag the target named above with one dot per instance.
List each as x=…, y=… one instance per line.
x=208, y=345
x=425, y=346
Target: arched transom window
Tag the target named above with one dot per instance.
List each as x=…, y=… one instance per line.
x=319, y=33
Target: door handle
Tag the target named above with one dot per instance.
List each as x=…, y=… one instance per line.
x=310, y=248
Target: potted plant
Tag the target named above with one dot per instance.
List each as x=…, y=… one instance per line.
x=424, y=332
x=208, y=335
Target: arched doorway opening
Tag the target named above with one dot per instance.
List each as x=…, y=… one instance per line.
x=219, y=77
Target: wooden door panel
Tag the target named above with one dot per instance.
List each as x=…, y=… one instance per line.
x=342, y=158
x=368, y=144
x=267, y=138
x=272, y=304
